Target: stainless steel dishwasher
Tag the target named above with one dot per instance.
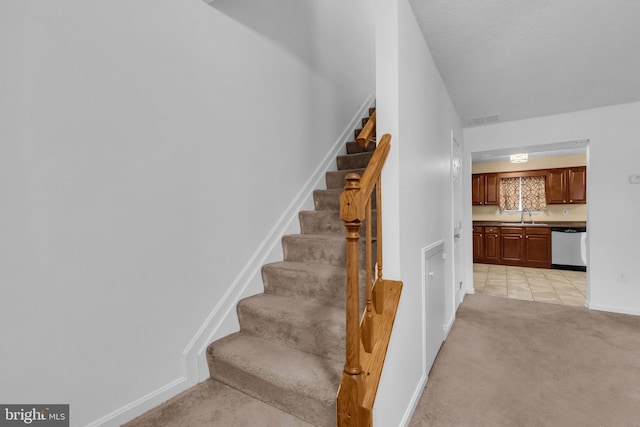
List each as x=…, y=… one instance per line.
x=569, y=248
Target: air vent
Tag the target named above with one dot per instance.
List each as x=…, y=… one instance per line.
x=484, y=120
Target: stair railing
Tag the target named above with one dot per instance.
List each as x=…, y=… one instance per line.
x=367, y=339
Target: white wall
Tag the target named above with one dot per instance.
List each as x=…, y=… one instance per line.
x=613, y=203
x=146, y=150
x=416, y=193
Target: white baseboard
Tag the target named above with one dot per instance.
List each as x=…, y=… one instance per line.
x=612, y=309
x=415, y=399
x=449, y=325
x=222, y=319
x=141, y=405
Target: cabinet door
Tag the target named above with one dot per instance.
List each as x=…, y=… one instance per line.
x=491, y=245
x=512, y=245
x=577, y=185
x=491, y=189
x=556, y=186
x=537, y=247
x=477, y=190
x=478, y=244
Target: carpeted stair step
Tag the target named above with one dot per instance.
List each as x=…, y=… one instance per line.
x=327, y=199
x=335, y=179
x=300, y=324
x=356, y=132
x=330, y=199
x=212, y=403
x=323, y=284
x=354, y=161
x=321, y=222
x=297, y=382
x=320, y=249
x=353, y=147
x=329, y=222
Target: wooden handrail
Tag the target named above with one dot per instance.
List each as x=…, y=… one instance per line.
x=366, y=341
x=366, y=134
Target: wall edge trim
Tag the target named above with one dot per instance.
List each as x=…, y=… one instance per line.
x=141, y=405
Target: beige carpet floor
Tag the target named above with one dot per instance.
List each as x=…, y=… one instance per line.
x=518, y=363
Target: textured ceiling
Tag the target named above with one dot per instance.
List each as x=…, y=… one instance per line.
x=528, y=58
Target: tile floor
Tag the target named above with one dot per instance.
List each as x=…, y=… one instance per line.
x=531, y=284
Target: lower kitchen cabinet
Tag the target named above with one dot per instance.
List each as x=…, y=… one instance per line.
x=491, y=245
x=478, y=244
x=537, y=247
x=519, y=246
x=511, y=245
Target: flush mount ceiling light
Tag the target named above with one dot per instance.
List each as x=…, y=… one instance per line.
x=519, y=158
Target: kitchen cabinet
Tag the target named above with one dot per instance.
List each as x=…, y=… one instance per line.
x=511, y=245
x=537, y=247
x=478, y=244
x=484, y=189
x=486, y=245
x=492, y=245
x=567, y=185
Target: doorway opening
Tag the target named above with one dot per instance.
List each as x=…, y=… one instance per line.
x=512, y=247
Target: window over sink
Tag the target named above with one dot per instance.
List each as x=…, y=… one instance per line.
x=522, y=193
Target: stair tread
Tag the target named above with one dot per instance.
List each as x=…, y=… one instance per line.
x=295, y=310
x=214, y=403
x=312, y=267
x=288, y=368
x=336, y=179
x=301, y=324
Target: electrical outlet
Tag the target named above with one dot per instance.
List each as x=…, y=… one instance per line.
x=623, y=277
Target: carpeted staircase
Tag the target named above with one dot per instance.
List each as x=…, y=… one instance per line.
x=290, y=350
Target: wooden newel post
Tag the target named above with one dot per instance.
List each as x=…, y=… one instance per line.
x=350, y=394
x=350, y=216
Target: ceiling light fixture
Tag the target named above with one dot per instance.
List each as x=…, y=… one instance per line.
x=519, y=158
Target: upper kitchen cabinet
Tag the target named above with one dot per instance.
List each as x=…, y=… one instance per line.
x=484, y=189
x=567, y=185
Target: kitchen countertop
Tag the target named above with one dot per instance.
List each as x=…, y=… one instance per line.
x=519, y=224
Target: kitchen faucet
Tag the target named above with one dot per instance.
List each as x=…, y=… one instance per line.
x=522, y=215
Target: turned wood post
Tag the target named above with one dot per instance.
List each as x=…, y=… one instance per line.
x=349, y=203
x=351, y=391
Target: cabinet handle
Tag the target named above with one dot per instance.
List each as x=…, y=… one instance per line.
x=570, y=201
x=564, y=201
x=527, y=237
